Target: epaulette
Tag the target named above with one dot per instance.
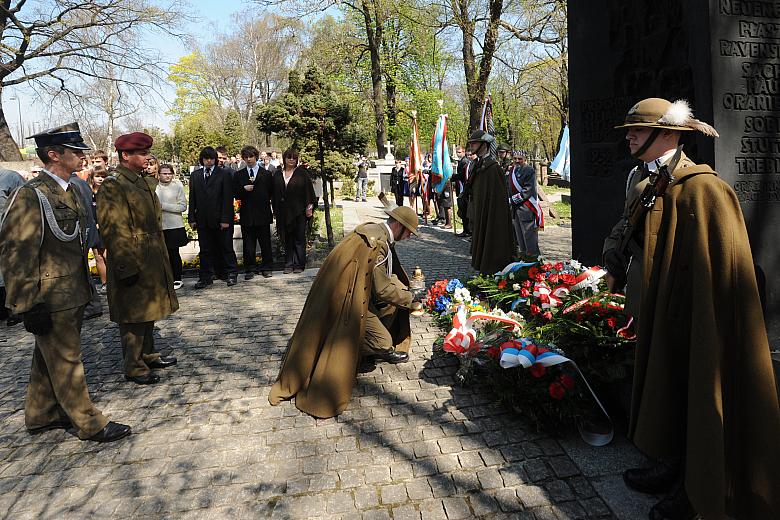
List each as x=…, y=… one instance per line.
x=34, y=182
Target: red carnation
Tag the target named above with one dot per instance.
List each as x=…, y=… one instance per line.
x=559, y=266
x=532, y=272
x=557, y=391
x=546, y=267
x=568, y=279
x=524, y=292
x=531, y=348
x=567, y=381
x=502, y=284
x=547, y=315
x=493, y=352
x=554, y=278
x=535, y=309
x=539, y=277
x=507, y=344
x=537, y=370
x=612, y=322
x=526, y=284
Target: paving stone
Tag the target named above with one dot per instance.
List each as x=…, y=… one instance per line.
x=563, y=467
x=490, y=479
x=456, y=508
x=568, y=510
x=483, y=504
x=532, y=496
x=393, y=494
x=507, y=500
x=366, y=497
x=442, y=486
x=377, y=514
x=470, y=460
x=558, y=490
x=339, y=502
x=418, y=489
x=407, y=512
x=537, y=470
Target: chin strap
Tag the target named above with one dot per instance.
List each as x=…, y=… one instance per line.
x=647, y=144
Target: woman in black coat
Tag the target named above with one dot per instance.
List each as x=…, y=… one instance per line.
x=293, y=205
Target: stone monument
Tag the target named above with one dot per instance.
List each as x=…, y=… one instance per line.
x=383, y=169
x=721, y=55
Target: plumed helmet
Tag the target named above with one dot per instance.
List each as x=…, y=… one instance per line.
x=660, y=113
x=481, y=136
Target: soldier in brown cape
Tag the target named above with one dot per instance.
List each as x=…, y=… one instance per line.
x=493, y=237
x=140, y=280
x=704, y=401
x=358, y=305
x=43, y=256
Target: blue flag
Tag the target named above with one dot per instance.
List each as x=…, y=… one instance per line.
x=441, y=167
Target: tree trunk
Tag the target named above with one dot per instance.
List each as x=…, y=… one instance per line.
x=477, y=78
x=9, y=151
x=328, y=225
x=374, y=39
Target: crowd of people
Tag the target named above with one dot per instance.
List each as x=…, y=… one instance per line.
x=497, y=200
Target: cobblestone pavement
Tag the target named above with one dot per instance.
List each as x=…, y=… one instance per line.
x=206, y=444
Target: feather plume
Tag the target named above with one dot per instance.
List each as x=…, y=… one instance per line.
x=703, y=127
x=678, y=114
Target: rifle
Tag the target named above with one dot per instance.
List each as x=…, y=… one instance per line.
x=657, y=184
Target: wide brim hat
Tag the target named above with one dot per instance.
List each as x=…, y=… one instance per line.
x=68, y=135
x=663, y=114
x=405, y=216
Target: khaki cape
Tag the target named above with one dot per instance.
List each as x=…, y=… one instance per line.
x=703, y=384
x=320, y=365
x=493, y=237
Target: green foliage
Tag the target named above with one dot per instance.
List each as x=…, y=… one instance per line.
x=232, y=131
x=310, y=113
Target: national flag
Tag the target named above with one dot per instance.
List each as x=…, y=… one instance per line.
x=562, y=161
x=414, y=173
x=441, y=166
x=486, y=124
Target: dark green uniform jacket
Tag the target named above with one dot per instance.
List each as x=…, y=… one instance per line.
x=53, y=272
x=130, y=220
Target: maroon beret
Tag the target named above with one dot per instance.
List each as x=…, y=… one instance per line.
x=133, y=141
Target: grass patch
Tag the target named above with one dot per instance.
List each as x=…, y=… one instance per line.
x=318, y=238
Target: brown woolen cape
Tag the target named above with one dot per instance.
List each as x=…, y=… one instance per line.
x=320, y=365
x=493, y=237
x=703, y=383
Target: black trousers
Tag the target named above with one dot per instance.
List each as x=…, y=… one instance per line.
x=175, y=259
x=251, y=235
x=216, y=250
x=295, y=243
x=399, y=197
x=463, y=208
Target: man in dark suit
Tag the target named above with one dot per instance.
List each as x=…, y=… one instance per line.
x=397, y=177
x=461, y=176
x=211, y=214
x=254, y=188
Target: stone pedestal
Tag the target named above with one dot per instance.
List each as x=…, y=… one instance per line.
x=723, y=57
x=381, y=174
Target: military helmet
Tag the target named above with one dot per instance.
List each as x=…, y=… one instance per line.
x=405, y=216
x=481, y=136
x=503, y=147
x=663, y=114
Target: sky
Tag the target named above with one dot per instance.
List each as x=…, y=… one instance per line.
x=213, y=16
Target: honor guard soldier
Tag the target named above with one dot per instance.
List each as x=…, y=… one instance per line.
x=704, y=404
x=140, y=280
x=44, y=261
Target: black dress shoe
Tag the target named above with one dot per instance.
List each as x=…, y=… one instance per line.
x=463, y=234
x=392, y=356
x=162, y=362
x=201, y=284
x=61, y=424
x=232, y=281
x=13, y=320
x=112, y=432
x=249, y=276
x=656, y=479
x=146, y=379
x=267, y=274
x=675, y=505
